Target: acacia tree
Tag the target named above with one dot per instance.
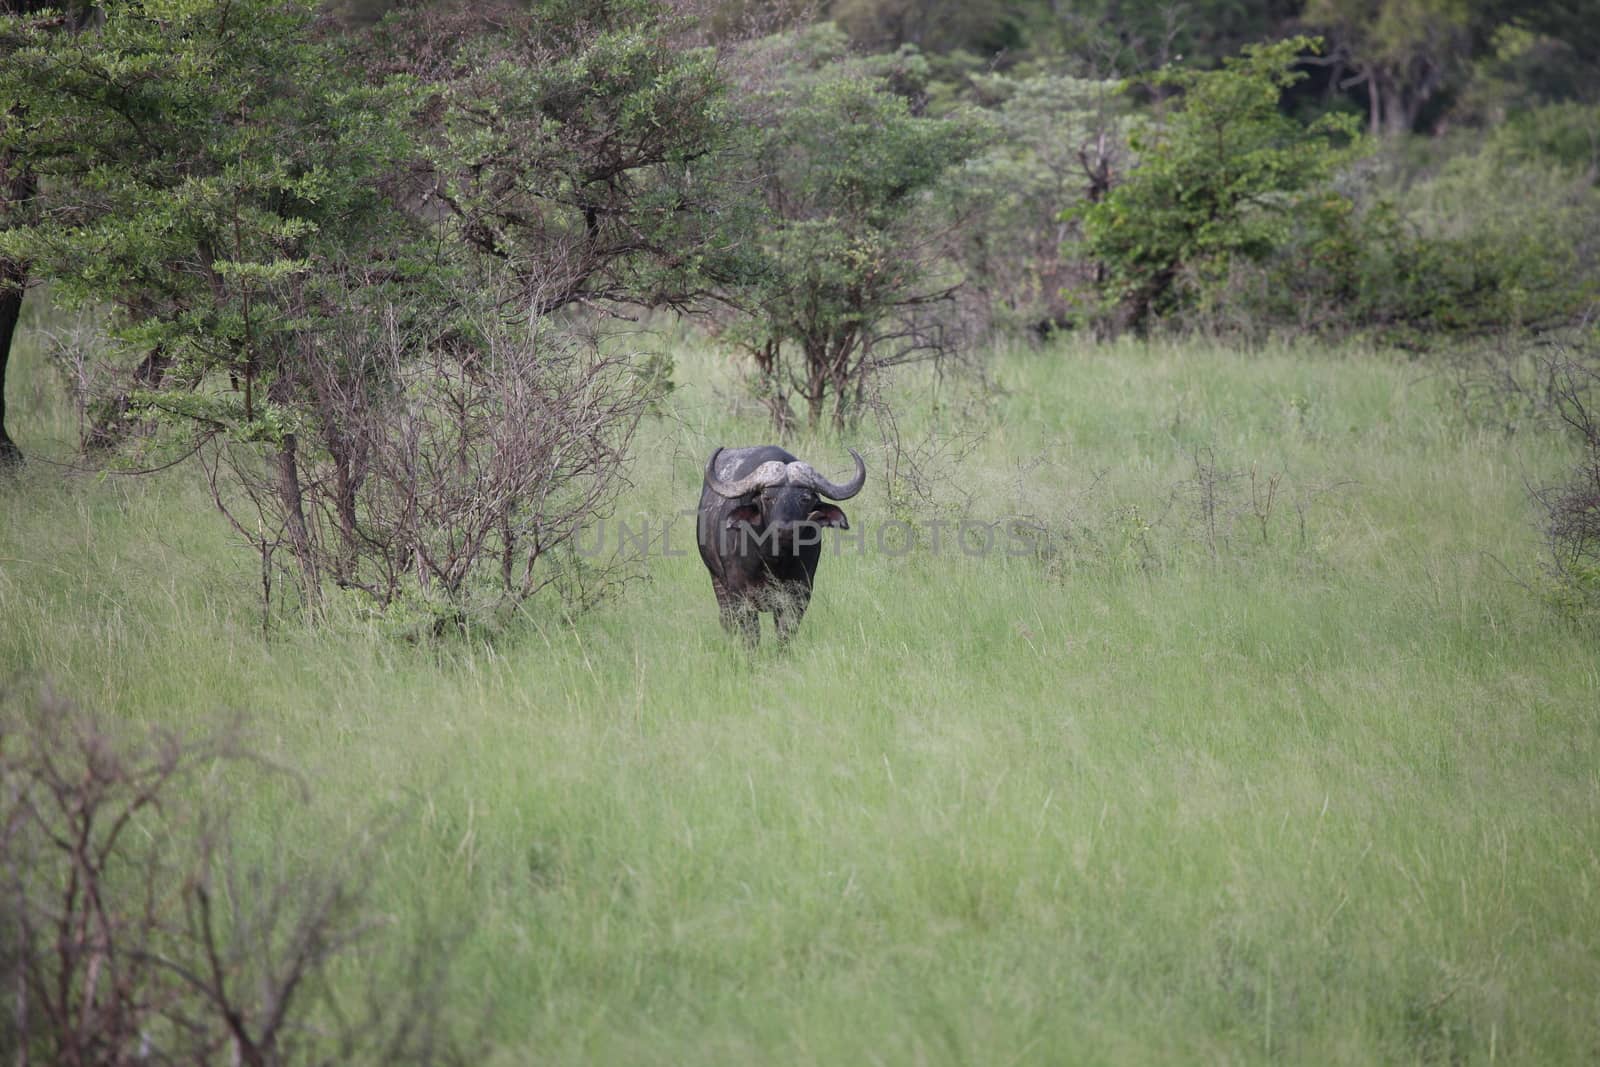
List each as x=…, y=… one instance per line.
x=1222, y=177
x=848, y=266
x=569, y=141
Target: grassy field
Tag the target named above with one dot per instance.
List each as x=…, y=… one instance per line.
x=1189, y=785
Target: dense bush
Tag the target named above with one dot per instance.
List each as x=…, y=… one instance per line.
x=1497, y=237
x=1224, y=178
x=1061, y=142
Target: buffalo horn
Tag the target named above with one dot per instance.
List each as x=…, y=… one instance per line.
x=806, y=476
x=768, y=474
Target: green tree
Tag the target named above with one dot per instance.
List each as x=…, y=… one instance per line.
x=1061, y=141
x=202, y=164
x=1403, y=53
x=1136, y=34
x=572, y=141
x=848, y=263
x=983, y=26
x=1573, y=22
x=18, y=183
x=1222, y=177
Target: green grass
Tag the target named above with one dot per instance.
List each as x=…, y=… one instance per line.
x=1174, y=791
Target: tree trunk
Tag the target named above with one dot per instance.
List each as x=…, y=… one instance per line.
x=348, y=474
x=346, y=484
x=1399, y=108
x=1409, y=114
x=10, y=311
x=19, y=185
x=1138, y=310
x=769, y=365
x=292, y=501
x=844, y=411
x=1374, y=105
x=816, y=391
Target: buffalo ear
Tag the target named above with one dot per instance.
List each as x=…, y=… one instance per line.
x=743, y=513
x=828, y=515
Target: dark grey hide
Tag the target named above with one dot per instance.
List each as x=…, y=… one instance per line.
x=762, y=513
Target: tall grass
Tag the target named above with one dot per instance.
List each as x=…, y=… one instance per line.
x=1178, y=786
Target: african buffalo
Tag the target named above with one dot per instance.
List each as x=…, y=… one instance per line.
x=760, y=533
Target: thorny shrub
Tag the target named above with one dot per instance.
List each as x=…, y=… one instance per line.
x=134, y=933
x=451, y=463
x=1570, y=509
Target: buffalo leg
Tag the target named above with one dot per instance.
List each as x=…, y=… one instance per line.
x=749, y=625
x=737, y=612
x=790, y=607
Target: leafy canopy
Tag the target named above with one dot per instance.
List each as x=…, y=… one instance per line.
x=1223, y=176
x=202, y=165
x=848, y=243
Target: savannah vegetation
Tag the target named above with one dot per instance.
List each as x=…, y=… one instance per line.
x=1209, y=673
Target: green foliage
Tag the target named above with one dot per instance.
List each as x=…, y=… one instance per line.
x=1423, y=263
x=1418, y=65
x=846, y=253
x=1567, y=134
x=1574, y=590
x=1059, y=143
x=986, y=26
x=1128, y=34
x=1405, y=54
x=655, y=378
x=1442, y=263
x=235, y=183
x=1574, y=23
x=573, y=143
x=1223, y=177
x=1571, y=507
x=300, y=233
x=206, y=171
